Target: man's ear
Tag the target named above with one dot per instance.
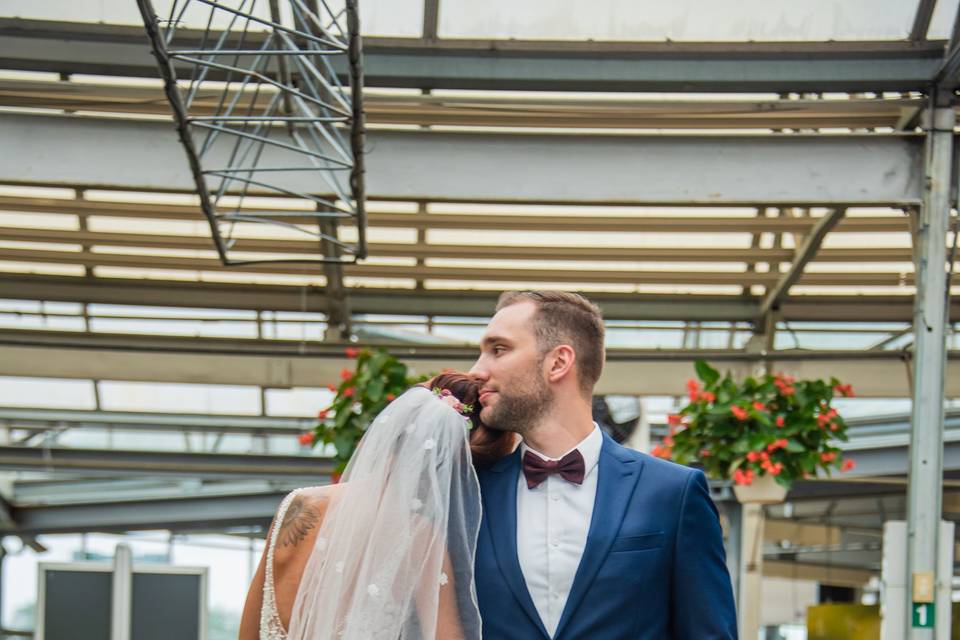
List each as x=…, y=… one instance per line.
x=560, y=363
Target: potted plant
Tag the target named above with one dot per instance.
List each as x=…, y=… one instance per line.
x=762, y=433
x=377, y=379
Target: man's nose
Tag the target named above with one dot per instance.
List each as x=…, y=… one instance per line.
x=479, y=371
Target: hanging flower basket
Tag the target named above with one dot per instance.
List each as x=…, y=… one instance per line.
x=763, y=432
x=363, y=392
x=763, y=490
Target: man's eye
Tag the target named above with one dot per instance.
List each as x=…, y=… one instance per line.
x=498, y=349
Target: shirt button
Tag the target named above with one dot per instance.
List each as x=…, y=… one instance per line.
x=555, y=498
x=554, y=543
x=554, y=595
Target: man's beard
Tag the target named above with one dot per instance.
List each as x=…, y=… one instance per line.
x=519, y=411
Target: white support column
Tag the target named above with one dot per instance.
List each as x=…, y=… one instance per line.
x=925, y=485
x=751, y=570
x=122, y=600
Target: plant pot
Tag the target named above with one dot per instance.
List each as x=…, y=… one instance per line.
x=763, y=490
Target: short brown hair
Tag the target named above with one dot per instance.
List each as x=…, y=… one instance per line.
x=566, y=318
x=486, y=445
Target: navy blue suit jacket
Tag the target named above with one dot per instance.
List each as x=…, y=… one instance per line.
x=653, y=567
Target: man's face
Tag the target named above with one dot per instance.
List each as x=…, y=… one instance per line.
x=514, y=393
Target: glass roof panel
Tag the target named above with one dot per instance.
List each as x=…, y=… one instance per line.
x=941, y=25
x=681, y=20
x=377, y=17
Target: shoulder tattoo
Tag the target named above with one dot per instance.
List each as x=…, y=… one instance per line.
x=300, y=518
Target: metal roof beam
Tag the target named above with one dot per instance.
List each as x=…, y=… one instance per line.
x=921, y=20
x=63, y=47
x=285, y=364
x=804, y=254
x=782, y=170
x=477, y=303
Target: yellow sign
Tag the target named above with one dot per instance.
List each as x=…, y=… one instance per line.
x=923, y=586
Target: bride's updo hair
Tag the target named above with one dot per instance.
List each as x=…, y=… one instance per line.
x=487, y=445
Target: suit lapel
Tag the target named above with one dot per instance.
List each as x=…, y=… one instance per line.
x=618, y=473
x=499, y=491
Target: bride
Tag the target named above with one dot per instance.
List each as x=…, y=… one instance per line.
x=389, y=552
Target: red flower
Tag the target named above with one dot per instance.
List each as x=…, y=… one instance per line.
x=785, y=385
x=351, y=352
x=693, y=389
x=777, y=444
x=828, y=456
x=346, y=374
x=744, y=477
x=759, y=406
x=668, y=441
x=755, y=456
x=848, y=465
x=834, y=426
x=708, y=396
x=322, y=414
x=738, y=412
x=844, y=390
x=674, y=419
x=781, y=421
x=332, y=387
x=661, y=451
x=391, y=397
x=775, y=469
x=348, y=392
x=705, y=453
x=306, y=438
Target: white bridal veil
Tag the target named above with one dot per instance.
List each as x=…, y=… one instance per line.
x=393, y=559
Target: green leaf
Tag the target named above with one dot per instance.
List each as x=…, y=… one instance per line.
x=794, y=446
x=375, y=390
x=705, y=372
x=345, y=442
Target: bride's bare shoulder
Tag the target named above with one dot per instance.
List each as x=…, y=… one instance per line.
x=303, y=515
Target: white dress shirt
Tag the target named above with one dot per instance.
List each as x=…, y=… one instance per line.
x=552, y=524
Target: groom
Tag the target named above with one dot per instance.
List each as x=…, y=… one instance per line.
x=581, y=538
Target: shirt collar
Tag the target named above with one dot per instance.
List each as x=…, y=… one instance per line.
x=589, y=448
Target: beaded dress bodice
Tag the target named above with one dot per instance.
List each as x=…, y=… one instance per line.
x=271, y=627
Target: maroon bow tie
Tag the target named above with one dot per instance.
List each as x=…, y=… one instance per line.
x=570, y=467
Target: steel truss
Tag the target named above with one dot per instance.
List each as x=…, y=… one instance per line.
x=280, y=116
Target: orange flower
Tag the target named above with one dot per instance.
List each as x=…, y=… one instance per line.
x=332, y=387
x=348, y=392
x=738, y=412
x=708, y=396
x=759, y=406
x=674, y=419
x=828, y=456
x=391, y=397
x=705, y=453
x=351, y=352
x=306, y=438
x=693, y=389
x=346, y=374
x=848, y=465
x=781, y=421
x=322, y=414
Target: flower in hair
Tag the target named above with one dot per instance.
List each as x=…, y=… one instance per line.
x=447, y=397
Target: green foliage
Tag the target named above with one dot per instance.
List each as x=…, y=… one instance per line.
x=771, y=425
x=377, y=379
